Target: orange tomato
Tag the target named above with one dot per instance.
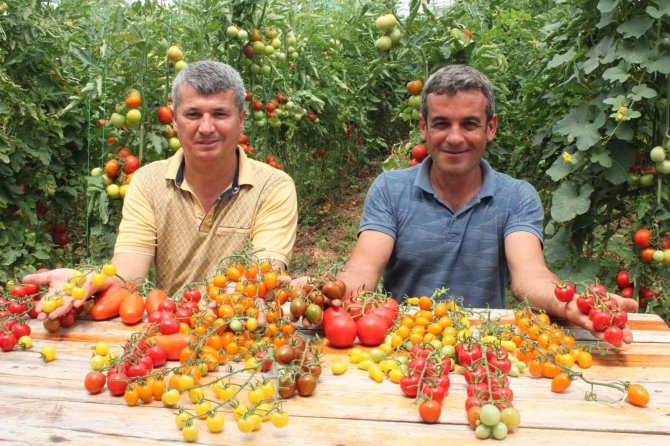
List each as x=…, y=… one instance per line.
x=637, y=395
x=560, y=382
x=550, y=369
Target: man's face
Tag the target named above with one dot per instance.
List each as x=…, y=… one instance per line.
x=457, y=131
x=208, y=126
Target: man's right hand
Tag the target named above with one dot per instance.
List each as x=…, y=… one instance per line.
x=56, y=279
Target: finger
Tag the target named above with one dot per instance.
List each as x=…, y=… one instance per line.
x=38, y=278
x=306, y=323
x=284, y=279
x=627, y=335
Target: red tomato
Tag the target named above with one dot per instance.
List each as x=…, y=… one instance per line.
x=341, y=330
x=108, y=302
x=419, y=152
x=371, y=329
x=192, y=295
x=614, y=335
x=410, y=385
x=564, y=292
x=116, y=383
x=628, y=293
x=157, y=354
x=331, y=313
x=623, y=280
x=164, y=114
x=94, y=382
x=7, y=341
x=641, y=238
x=430, y=411
x=131, y=164
x=174, y=343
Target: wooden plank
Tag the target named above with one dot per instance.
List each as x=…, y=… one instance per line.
x=45, y=403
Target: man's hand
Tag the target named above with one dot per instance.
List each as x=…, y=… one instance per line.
x=578, y=318
x=56, y=279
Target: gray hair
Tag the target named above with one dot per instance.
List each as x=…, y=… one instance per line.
x=455, y=78
x=210, y=77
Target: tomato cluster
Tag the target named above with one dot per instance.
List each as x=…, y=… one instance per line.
x=16, y=307
x=660, y=253
x=58, y=234
x=419, y=152
x=366, y=316
x=387, y=23
x=627, y=289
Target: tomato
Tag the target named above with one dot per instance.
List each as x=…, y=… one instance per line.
x=628, y=293
x=94, y=382
x=331, y=313
x=473, y=416
x=164, y=114
x=174, y=343
x=435, y=393
x=20, y=290
x=419, y=152
x=108, y=302
x=614, y=335
x=192, y=295
x=132, y=308
x=641, y=238
x=168, y=326
x=415, y=87
x=154, y=299
x=306, y=384
x=279, y=419
x=131, y=164
x=7, y=341
x=489, y=415
x=560, y=382
x=430, y=411
x=314, y=313
x=298, y=307
x=467, y=355
x=285, y=354
x=133, y=100
x=116, y=383
x=585, y=303
x=410, y=385
x=287, y=386
x=341, y=330
x=20, y=329
x=564, y=292
x=333, y=290
x=637, y=395
x=600, y=320
x=623, y=280
x=112, y=168
x=371, y=329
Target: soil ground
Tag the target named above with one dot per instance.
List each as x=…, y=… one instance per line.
x=330, y=237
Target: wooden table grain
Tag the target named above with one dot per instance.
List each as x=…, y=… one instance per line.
x=47, y=403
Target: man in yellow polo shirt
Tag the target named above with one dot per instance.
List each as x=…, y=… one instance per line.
x=189, y=212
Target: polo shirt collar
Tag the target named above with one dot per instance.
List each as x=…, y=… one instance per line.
x=243, y=174
x=422, y=179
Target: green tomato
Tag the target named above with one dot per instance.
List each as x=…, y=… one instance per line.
x=386, y=22
x=255, y=68
x=266, y=70
x=179, y=65
x=511, y=417
x=395, y=35
x=664, y=167
x=117, y=120
x=276, y=43
x=415, y=101
x=377, y=355
x=232, y=31
x=482, y=432
x=647, y=180
x=269, y=50
x=291, y=41
x=133, y=117
x=657, y=154
x=174, y=144
x=490, y=415
x=499, y=431
x=96, y=172
x=384, y=43
x=236, y=325
x=633, y=179
x=113, y=191
x=658, y=256
x=242, y=35
x=258, y=47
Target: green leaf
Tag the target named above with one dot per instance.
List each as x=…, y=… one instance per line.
x=556, y=249
x=560, y=59
x=601, y=157
x=663, y=9
x=605, y=19
x=635, y=27
x=583, y=270
x=559, y=169
x=577, y=125
x=607, y=5
x=617, y=74
x=642, y=91
x=602, y=53
x=634, y=52
x=621, y=247
x=623, y=157
x=657, y=63
x=570, y=200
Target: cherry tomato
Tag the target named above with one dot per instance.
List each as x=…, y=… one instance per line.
x=564, y=292
x=94, y=382
x=430, y=411
x=637, y=395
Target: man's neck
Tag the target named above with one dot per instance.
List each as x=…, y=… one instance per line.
x=456, y=191
x=209, y=180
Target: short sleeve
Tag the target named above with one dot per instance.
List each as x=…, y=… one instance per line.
x=527, y=215
x=137, y=230
x=274, y=231
x=378, y=213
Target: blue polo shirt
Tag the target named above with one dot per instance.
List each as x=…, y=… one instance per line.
x=435, y=247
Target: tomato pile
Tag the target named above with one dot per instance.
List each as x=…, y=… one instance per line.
x=204, y=330
x=658, y=252
x=16, y=307
x=366, y=316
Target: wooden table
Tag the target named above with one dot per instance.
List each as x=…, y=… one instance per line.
x=46, y=403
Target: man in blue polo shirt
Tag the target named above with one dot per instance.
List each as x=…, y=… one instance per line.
x=453, y=221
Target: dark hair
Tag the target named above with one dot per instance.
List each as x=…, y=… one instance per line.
x=455, y=78
x=210, y=77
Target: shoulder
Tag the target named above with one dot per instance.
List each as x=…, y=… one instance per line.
x=396, y=180
x=151, y=172
x=508, y=186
